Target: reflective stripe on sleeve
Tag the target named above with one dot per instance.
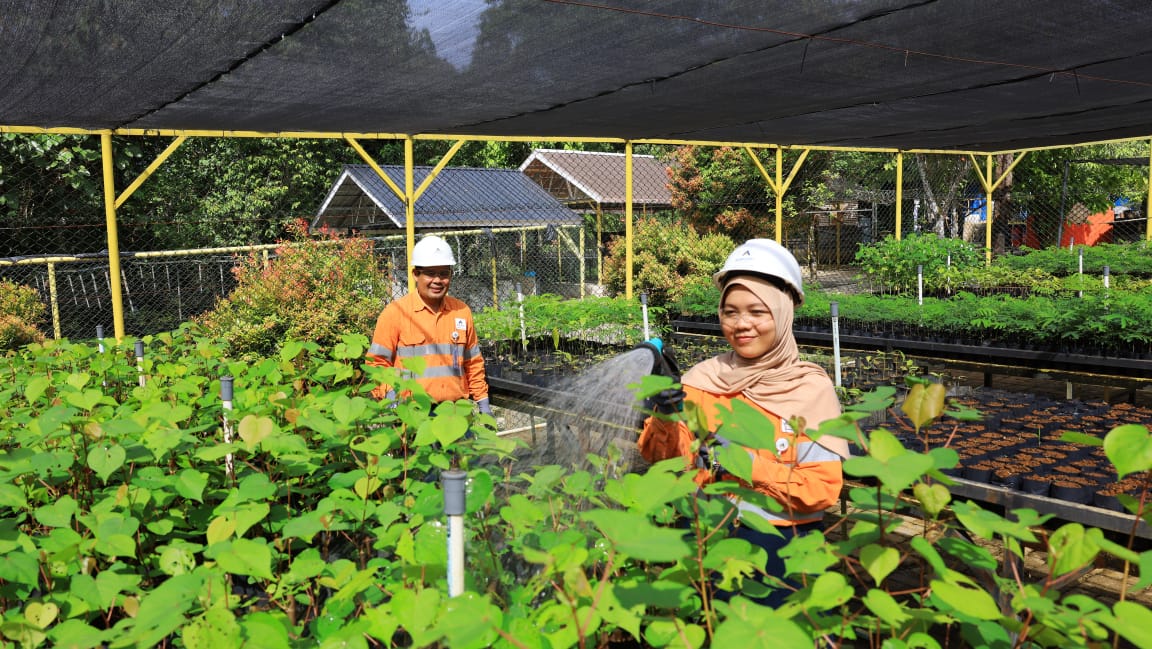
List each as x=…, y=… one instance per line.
x=441, y=371
x=813, y=452
x=471, y=352
x=796, y=519
x=382, y=351
x=436, y=349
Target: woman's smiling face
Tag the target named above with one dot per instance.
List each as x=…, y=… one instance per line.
x=747, y=323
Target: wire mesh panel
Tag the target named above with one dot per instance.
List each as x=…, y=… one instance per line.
x=158, y=293
x=522, y=218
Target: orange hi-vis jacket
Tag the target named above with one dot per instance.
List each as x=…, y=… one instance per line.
x=407, y=328
x=805, y=479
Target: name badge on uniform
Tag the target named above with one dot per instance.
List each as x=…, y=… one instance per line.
x=782, y=442
x=461, y=324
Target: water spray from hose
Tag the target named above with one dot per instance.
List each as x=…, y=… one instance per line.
x=595, y=409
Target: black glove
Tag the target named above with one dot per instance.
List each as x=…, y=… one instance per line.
x=708, y=461
x=668, y=401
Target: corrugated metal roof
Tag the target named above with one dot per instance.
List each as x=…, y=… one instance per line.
x=459, y=197
x=583, y=176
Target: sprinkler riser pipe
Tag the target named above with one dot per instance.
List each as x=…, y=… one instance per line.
x=453, y=482
x=920, y=285
x=835, y=309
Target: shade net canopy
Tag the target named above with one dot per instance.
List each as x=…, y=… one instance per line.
x=945, y=74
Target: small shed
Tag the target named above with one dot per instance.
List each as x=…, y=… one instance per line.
x=458, y=198
x=592, y=179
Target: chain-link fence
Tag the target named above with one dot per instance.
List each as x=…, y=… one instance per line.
x=522, y=218
x=158, y=293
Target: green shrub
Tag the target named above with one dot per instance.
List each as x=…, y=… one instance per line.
x=699, y=295
x=1121, y=259
x=313, y=290
x=611, y=320
x=21, y=311
x=894, y=263
x=665, y=255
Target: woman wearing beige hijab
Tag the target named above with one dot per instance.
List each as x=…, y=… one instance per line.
x=760, y=287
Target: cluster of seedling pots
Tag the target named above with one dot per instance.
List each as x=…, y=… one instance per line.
x=1018, y=445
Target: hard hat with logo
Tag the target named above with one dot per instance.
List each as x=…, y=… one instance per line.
x=765, y=258
x=432, y=251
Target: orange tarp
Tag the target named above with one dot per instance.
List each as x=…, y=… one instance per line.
x=1098, y=229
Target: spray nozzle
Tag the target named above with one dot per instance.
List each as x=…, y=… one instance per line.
x=662, y=364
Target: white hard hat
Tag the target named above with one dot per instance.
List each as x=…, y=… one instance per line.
x=766, y=258
x=432, y=251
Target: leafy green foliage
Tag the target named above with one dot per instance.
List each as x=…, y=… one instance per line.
x=231, y=191
x=1039, y=178
x=1121, y=259
x=548, y=317
x=665, y=253
x=48, y=179
x=314, y=289
x=21, y=311
x=894, y=263
x=310, y=515
x=1040, y=308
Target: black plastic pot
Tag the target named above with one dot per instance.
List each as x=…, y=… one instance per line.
x=1035, y=485
x=1104, y=501
x=1008, y=482
x=1073, y=493
x=977, y=474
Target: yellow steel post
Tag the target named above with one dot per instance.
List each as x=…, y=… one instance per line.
x=113, y=237
x=988, y=212
x=582, y=262
x=599, y=247
x=899, y=194
x=628, y=220
x=779, y=186
x=990, y=184
x=409, y=207
x=52, y=298
x=783, y=189
x=1148, y=203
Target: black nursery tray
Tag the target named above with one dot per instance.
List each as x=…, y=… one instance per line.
x=1138, y=369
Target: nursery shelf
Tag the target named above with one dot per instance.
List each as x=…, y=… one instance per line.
x=1062, y=509
x=1135, y=370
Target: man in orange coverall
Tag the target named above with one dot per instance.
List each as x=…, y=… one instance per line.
x=434, y=326
x=760, y=286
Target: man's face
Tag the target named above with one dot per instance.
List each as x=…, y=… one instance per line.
x=432, y=282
